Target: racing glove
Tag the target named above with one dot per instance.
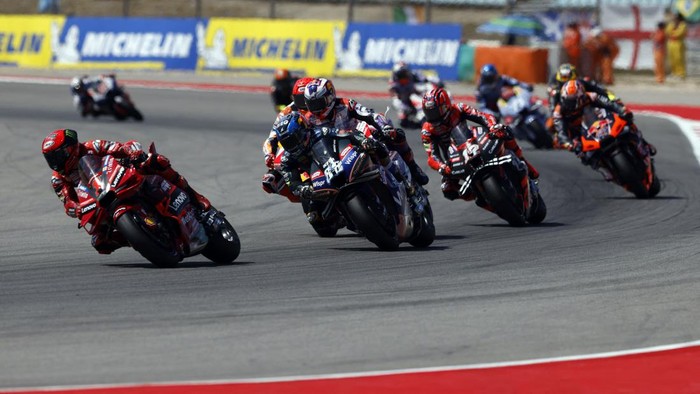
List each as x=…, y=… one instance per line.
x=72, y=209
x=270, y=161
x=388, y=131
x=445, y=170
x=499, y=131
x=305, y=191
x=628, y=116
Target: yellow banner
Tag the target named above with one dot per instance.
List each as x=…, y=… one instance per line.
x=268, y=44
x=25, y=41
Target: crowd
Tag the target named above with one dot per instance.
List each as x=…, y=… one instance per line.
x=595, y=51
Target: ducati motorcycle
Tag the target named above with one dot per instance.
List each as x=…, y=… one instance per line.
x=156, y=217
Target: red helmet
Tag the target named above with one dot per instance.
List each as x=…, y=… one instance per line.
x=298, y=92
x=572, y=95
x=319, y=96
x=281, y=73
x=436, y=105
x=61, y=150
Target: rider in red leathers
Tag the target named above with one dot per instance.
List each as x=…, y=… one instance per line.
x=325, y=109
x=446, y=123
x=62, y=152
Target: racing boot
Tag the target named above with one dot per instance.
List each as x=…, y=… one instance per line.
x=161, y=166
x=417, y=173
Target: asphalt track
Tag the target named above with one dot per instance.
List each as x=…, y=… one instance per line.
x=604, y=272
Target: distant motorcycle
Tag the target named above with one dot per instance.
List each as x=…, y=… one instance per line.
x=412, y=116
x=498, y=178
x=612, y=142
x=368, y=196
x=156, y=217
x=526, y=116
x=117, y=101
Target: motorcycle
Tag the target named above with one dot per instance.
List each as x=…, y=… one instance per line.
x=613, y=143
x=156, y=217
x=526, y=116
x=117, y=102
x=368, y=196
x=412, y=115
x=498, y=180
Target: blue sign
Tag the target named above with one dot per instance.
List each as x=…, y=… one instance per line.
x=153, y=43
x=378, y=46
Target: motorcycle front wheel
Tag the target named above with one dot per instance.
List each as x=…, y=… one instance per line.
x=375, y=226
x=148, y=241
x=224, y=246
x=501, y=202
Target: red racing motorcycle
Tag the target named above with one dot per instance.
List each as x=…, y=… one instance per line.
x=155, y=216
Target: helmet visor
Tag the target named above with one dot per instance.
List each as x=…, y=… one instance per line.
x=316, y=105
x=295, y=143
x=57, y=158
x=299, y=100
x=432, y=114
x=569, y=104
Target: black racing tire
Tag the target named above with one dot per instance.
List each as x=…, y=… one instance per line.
x=149, y=245
x=224, y=246
x=628, y=174
x=136, y=114
x=543, y=140
x=655, y=187
x=376, y=229
x=427, y=231
x=501, y=202
x=540, y=211
x=325, y=229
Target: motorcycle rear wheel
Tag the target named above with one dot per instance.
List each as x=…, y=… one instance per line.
x=502, y=203
x=149, y=245
x=628, y=175
x=540, y=211
x=373, y=227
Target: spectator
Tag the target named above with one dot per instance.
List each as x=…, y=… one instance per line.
x=603, y=50
x=676, y=32
x=658, y=39
x=49, y=6
x=571, y=43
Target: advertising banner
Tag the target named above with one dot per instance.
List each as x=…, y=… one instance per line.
x=124, y=43
x=254, y=44
x=366, y=47
x=25, y=41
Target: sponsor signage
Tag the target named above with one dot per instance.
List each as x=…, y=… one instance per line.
x=25, y=41
x=365, y=47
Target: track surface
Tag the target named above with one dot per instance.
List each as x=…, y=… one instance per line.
x=604, y=272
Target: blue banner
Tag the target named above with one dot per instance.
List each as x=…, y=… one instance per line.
x=378, y=46
x=125, y=43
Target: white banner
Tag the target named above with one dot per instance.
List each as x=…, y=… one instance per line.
x=631, y=26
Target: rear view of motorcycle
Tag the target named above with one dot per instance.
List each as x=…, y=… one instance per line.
x=102, y=95
x=614, y=146
x=156, y=218
x=525, y=115
x=498, y=181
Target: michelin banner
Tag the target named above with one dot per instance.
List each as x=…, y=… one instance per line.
x=25, y=41
x=254, y=44
x=366, y=47
x=124, y=43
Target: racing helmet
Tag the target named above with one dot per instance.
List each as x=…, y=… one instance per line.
x=281, y=74
x=436, y=105
x=572, y=96
x=61, y=150
x=293, y=134
x=401, y=73
x=319, y=96
x=77, y=84
x=489, y=74
x=298, y=92
x=566, y=72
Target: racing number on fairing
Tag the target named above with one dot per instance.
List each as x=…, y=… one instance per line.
x=332, y=168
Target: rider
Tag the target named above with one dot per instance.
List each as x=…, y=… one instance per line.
x=569, y=113
x=402, y=86
x=90, y=93
x=269, y=147
x=489, y=88
x=281, y=89
x=325, y=109
x=566, y=73
x=446, y=123
x=297, y=137
x=62, y=152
